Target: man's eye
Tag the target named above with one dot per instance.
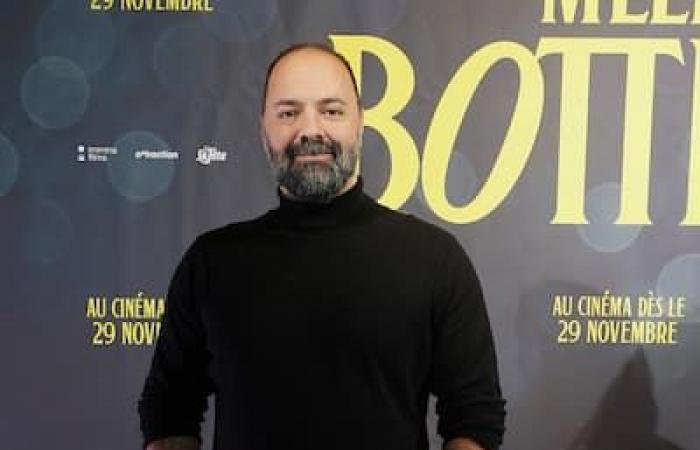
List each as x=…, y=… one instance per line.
x=286, y=114
x=334, y=112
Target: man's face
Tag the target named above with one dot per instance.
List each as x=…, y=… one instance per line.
x=312, y=125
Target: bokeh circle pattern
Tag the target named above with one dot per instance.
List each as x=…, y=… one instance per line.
x=241, y=20
x=9, y=165
x=178, y=59
x=47, y=232
x=462, y=181
x=140, y=180
x=69, y=29
x=54, y=92
x=377, y=16
x=602, y=209
x=681, y=278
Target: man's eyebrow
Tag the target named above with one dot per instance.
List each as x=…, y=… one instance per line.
x=287, y=102
x=322, y=102
x=328, y=100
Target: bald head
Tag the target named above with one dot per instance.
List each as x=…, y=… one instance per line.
x=310, y=47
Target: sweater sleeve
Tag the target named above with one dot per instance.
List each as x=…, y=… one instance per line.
x=174, y=395
x=464, y=372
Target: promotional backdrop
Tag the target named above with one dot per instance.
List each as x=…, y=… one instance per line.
x=558, y=140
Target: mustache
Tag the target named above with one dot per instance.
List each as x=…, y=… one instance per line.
x=312, y=146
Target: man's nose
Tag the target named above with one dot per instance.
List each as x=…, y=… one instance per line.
x=311, y=126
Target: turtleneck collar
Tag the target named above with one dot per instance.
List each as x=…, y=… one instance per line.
x=349, y=207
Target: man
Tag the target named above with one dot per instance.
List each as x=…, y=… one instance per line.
x=326, y=322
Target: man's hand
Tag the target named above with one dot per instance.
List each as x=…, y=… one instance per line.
x=462, y=444
x=175, y=443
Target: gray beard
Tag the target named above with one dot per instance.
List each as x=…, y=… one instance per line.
x=314, y=181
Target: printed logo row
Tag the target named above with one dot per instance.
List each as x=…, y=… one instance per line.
x=206, y=154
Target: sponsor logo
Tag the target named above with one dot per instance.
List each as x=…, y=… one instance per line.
x=208, y=154
x=167, y=155
x=95, y=153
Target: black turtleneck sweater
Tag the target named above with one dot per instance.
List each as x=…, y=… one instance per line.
x=325, y=326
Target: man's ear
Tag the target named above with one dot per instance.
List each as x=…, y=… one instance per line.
x=361, y=130
x=263, y=138
x=360, y=133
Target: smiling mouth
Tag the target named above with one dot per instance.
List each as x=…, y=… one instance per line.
x=313, y=150
x=312, y=155
x=317, y=156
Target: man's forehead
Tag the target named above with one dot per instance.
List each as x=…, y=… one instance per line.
x=312, y=69
x=305, y=57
